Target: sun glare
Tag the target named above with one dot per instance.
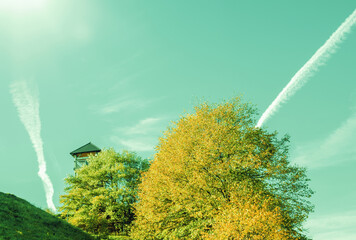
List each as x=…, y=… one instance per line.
x=21, y=5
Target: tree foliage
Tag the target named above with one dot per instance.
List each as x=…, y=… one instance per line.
x=216, y=176
x=100, y=196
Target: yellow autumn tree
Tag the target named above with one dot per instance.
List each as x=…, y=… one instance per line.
x=216, y=176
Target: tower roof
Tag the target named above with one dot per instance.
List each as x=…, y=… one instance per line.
x=89, y=147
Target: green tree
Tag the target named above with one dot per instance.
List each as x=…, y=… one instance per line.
x=100, y=195
x=216, y=176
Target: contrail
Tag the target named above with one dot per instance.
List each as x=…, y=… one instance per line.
x=310, y=67
x=27, y=105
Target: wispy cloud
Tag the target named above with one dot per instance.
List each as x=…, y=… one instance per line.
x=123, y=103
x=333, y=226
x=128, y=102
x=145, y=126
x=27, y=104
x=137, y=144
x=310, y=67
x=338, y=147
x=141, y=137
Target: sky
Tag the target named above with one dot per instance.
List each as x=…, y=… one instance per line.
x=117, y=73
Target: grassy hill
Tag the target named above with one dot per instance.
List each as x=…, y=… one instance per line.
x=21, y=220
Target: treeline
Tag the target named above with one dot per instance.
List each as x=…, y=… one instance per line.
x=214, y=176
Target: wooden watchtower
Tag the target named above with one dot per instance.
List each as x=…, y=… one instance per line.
x=81, y=154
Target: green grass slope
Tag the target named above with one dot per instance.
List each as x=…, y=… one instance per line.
x=21, y=220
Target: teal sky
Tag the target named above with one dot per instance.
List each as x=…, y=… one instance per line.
x=117, y=72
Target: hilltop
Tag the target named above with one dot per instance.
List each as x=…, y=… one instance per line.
x=21, y=220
